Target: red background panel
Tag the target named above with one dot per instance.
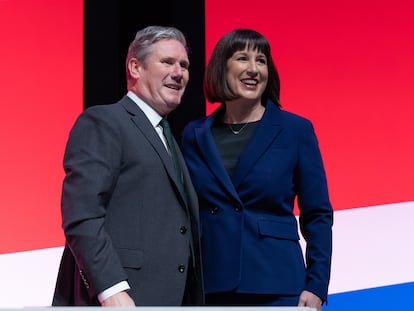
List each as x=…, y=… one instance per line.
x=348, y=67
x=41, y=94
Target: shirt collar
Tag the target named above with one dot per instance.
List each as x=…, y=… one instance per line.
x=150, y=113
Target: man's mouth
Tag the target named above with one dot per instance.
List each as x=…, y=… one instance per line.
x=173, y=87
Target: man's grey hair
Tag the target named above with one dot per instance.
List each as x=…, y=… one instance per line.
x=141, y=46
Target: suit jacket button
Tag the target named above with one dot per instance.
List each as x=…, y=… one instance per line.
x=181, y=268
x=214, y=210
x=238, y=208
x=183, y=230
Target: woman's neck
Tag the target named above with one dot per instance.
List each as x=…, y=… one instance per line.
x=237, y=112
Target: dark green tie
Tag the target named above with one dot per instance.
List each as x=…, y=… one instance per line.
x=171, y=146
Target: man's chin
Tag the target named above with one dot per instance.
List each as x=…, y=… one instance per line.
x=174, y=102
x=173, y=105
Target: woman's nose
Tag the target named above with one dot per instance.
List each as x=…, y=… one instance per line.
x=252, y=67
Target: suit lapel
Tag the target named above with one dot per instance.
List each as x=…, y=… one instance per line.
x=139, y=118
x=266, y=132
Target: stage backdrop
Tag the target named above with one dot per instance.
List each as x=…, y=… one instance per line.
x=347, y=66
x=41, y=73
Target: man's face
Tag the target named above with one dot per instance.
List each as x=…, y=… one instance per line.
x=164, y=76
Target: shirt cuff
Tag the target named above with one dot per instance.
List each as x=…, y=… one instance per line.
x=117, y=288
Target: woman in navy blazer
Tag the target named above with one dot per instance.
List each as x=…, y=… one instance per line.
x=249, y=162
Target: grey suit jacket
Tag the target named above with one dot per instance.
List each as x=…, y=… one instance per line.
x=123, y=214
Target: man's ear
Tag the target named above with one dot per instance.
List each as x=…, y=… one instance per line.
x=134, y=68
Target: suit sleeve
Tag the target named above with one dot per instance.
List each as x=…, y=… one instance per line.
x=92, y=164
x=316, y=214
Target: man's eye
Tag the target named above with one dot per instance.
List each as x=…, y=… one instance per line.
x=184, y=65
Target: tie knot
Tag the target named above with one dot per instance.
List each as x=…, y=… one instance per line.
x=164, y=124
x=167, y=132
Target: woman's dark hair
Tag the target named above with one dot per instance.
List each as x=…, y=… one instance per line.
x=216, y=87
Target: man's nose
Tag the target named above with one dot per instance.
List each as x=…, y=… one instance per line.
x=177, y=72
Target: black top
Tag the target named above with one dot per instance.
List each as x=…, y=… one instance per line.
x=231, y=139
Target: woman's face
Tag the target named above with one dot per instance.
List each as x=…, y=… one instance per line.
x=247, y=74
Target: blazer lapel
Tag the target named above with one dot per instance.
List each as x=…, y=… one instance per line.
x=209, y=151
x=266, y=132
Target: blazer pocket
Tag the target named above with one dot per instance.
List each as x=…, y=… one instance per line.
x=131, y=258
x=278, y=229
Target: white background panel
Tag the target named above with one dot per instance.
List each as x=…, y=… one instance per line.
x=367, y=253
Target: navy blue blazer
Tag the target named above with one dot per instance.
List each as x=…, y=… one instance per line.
x=249, y=232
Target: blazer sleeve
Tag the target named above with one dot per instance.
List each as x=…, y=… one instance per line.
x=316, y=214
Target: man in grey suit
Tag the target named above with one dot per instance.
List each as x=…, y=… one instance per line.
x=131, y=224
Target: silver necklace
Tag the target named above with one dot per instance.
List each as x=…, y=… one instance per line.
x=237, y=132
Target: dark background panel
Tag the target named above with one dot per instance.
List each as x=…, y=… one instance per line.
x=109, y=27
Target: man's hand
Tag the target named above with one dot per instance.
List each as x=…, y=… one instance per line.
x=308, y=299
x=121, y=299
